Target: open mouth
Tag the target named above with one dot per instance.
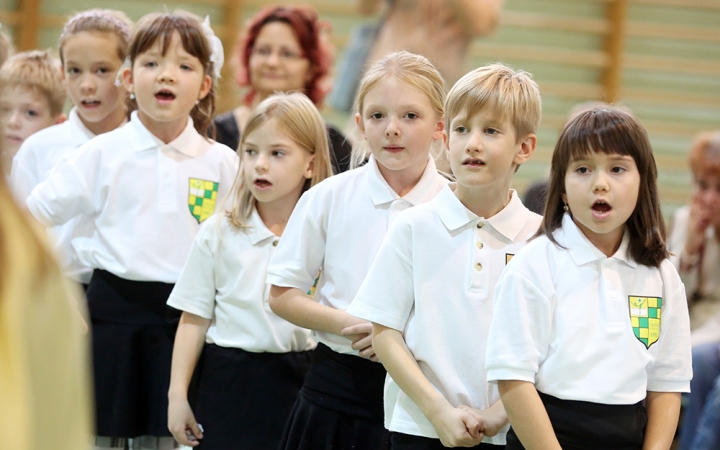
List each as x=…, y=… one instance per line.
x=262, y=183
x=165, y=96
x=91, y=103
x=601, y=209
x=474, y=162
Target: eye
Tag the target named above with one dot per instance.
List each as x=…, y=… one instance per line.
x=73, y=70
x=618, y=169
x=31, y=113
x=491, y=131
x=461, y=129
x=186, y=67
x=262, y=51
x=289, y=54
x=412, y=115
x=250, y=152
x=278, y=153
x=150, y=64
x=376, y=116
x=582, y=169
x=102, y=70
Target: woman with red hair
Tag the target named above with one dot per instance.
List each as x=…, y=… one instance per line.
x=284, y=50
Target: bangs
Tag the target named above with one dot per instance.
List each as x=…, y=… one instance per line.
x=608, y=131
x=161, y=28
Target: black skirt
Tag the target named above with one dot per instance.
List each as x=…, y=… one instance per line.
x=582, y=425
x=402, y=441
x=340, y=405
x=244, y=399
x=132, y=335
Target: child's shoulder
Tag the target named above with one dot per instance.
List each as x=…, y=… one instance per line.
x=223, y=150
x=52, y=136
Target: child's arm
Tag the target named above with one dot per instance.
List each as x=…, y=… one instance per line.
x=295, y=306
x=527, y=415
x=454, y=426
x=189, y=342
x=663, y=410
x=491, y=420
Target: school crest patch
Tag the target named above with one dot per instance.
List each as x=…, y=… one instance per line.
x=202, y=196
x=645, y=317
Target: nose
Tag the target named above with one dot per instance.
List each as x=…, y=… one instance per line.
x=14, y=120
x=166, y=76
x=600, y=181
x=261, y=164
x=273, y=58
x=474, y=143
x=392, y=129
x=87, y=86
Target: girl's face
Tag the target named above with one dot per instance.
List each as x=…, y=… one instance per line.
x=399, y=124
x=167, y=87
x=602, y=191
x=275, y=167
x=91, y=65
x=277, y=62
x=707, y=195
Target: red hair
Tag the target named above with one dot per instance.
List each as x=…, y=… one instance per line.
x=309, y=32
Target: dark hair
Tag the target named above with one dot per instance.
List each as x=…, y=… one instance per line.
x=611, y=130
x=308, y=31
x=154, y=27
x=102, y=21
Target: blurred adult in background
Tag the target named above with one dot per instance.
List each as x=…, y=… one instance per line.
x=694, y=241
x=285, y=49
x=440, y=30
x=44, y=375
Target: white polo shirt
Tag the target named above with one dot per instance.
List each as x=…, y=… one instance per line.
x=338, y=226
x=145, y=199
x=31, y=165
x=567, y=319
x=224, y=280
x=433, y=279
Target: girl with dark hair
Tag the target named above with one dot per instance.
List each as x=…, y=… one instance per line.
x=284, y=50
x=590, y=339
x=145, y=188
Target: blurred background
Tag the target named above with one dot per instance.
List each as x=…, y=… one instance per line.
x=661, y=58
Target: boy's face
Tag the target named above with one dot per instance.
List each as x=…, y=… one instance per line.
x=485, y=151
x=23, y=111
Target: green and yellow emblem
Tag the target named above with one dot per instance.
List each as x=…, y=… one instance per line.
x=645, y=316
x=202, y=197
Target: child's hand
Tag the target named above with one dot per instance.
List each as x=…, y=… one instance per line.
x=361, y=337
x=182, y=424
x=490, y=424
x=456, y=427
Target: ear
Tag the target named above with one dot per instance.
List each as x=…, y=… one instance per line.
x=563, y=196
x=446, y=143
x=310, y=167
x=527, y=148
x=205, y=87
x=60, y=118
x=360, y=124
x=439, y=129
x=127, y=80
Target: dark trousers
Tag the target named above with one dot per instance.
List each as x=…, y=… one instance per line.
x=400, y=441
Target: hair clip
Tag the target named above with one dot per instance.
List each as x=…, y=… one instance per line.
x=217, y=55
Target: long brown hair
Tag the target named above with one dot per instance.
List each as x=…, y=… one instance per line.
x=154, y=27
x=613, y=131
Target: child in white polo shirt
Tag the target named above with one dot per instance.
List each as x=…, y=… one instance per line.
x=429, y=292
x=590, y=341
x=253, y=362
x=337, y=227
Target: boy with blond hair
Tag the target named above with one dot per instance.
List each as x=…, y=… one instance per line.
x=32, y=97
x=429, y=292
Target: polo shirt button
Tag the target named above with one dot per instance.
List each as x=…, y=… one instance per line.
x=478, y=267
x=275, y=243
x=479, y=225
x=480, y=245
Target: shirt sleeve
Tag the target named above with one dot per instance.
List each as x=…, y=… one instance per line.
x=672, y=369
x=22, y=176
x=74, y=187
x=195, y=290
x=301, y=250
x=520, y=331
x=387, y=295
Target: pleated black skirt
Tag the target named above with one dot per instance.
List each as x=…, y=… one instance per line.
x=582, y=425
x=244, y=399
x=340, y=406
x=132, y=340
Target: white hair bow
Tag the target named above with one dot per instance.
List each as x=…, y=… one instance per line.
x=217, y=55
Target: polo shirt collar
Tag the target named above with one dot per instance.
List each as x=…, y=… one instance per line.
x=582, y=251
x=257, y=231
x=381, y=192
x=454, y=215
x=84, y=134
x=189, y=142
